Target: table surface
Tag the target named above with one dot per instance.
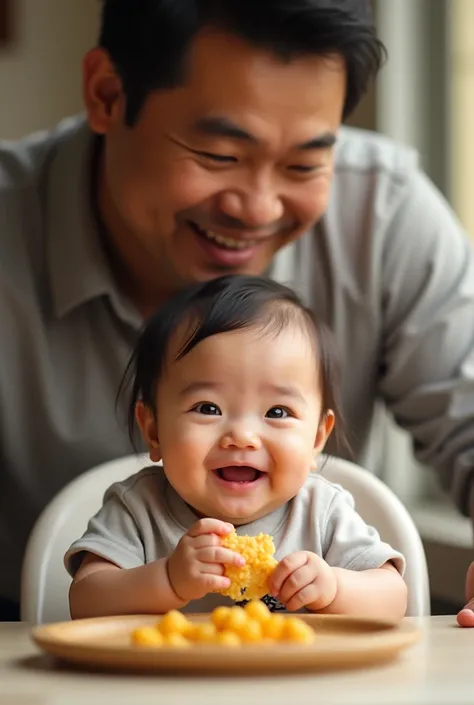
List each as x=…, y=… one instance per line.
x=439, y=669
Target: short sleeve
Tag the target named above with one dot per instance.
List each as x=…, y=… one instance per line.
x=112, y=534
x=351, y=543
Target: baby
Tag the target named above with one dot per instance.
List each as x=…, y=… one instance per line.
x=235, y=391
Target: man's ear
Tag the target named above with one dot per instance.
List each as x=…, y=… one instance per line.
x=149, y=429
x=325, y=428
x=102, y=91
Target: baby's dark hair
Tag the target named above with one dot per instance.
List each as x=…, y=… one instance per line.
x=222, y=305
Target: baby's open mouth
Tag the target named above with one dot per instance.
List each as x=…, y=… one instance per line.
x=241, y=473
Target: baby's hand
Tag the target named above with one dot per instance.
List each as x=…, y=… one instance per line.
x=197, y=565
x=303, y=579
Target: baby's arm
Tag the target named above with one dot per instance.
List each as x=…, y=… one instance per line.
x=101, y=588
x=374, y=593
x=352, y=572
x=194, y=569
x=304, y=579
x=368, y=571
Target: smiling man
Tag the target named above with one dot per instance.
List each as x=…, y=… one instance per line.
x=218, y=173
x=212, y=144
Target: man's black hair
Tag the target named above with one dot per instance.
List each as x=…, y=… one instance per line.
x=148, y=41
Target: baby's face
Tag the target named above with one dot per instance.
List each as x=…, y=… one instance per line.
x=238, y=421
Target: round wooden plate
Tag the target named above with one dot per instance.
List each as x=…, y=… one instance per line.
x=342, y=642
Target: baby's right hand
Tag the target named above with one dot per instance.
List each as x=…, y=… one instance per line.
x=197, y=565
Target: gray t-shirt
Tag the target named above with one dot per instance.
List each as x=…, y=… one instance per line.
x=388, y=268
x=143, y=518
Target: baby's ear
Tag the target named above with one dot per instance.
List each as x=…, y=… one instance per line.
x=149, y=429
x=325, y=427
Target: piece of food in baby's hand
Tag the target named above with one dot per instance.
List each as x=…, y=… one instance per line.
x=249, y=582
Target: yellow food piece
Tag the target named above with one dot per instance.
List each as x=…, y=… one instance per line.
x=296, y=630
x=220, y=616
x=250, y=580
x=203, y=632
x=147, y=636
x=176, y=640
x=251, y=631
x=273, y=628
x=229, y=627
x=257, y=610
x=235, y=619
x=173, y=622
x=228, y=638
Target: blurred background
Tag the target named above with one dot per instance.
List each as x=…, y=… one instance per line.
x=424, y=97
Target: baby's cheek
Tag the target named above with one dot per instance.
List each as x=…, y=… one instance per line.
x=194, y=442
x=294, y=450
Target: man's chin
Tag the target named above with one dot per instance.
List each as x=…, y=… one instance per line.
x=208, y=273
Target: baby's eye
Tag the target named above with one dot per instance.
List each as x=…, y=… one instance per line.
x=207, y=408
x=278, y=412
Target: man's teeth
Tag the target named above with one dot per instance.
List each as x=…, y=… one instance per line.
x=228, y=242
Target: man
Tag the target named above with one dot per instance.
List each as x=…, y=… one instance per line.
x=211, y=144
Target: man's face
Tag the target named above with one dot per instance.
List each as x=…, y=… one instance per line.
x=220, y=173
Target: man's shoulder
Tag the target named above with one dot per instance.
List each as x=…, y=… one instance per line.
x=373, y=177
x=366, y=151
x=23, y=161
x=25, y=186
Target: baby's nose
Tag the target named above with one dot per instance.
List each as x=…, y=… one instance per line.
x=241, y=438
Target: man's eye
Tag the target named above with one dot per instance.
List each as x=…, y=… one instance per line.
x=302, y=169
x=206, y=408
x=278, y=412
x=219, y=158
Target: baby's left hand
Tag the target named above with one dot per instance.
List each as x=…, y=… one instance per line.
x=303, y=579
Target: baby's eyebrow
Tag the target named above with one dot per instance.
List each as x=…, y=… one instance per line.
x=286, y=391
x=200, y=386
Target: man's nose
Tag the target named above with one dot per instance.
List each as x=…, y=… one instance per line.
x=254, y=208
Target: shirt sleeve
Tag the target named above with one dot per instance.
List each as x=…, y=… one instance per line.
x=427, y=372
x=112, y=534
x=351, y=543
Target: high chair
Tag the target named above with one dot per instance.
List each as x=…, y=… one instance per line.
x=45, y=581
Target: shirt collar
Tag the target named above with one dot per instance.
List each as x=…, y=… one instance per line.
x=79, y=271
x=185, y=517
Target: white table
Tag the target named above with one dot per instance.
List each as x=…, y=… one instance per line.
x=438, y=670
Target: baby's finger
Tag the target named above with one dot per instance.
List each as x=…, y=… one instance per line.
x=210, y=526
x=286, y=567
x=212, y=568
x=205, y=540
x=295, y=582
x=308, y=595
x=219, y=554
x=214, y=583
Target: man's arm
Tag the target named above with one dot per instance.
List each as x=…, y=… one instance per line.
x=466, y=616
x=427, y=377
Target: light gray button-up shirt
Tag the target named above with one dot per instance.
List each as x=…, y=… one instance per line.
x=388, y=268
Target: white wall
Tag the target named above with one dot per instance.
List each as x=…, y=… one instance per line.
x=40, y=79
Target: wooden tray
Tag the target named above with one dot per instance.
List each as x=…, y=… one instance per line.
x=342, y=642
